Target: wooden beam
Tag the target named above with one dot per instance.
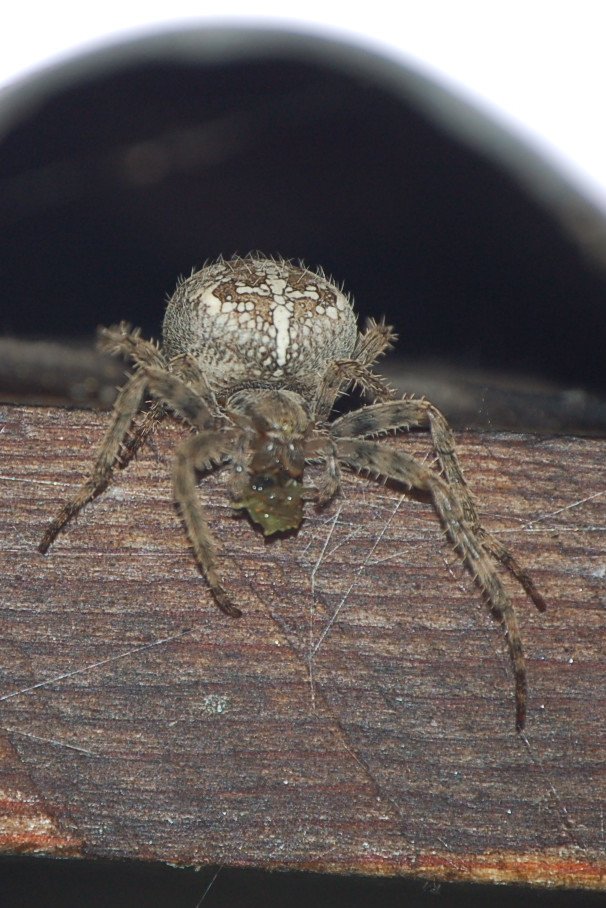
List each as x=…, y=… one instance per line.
x=359, y=716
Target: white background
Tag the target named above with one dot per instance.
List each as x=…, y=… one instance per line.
x=538, y=66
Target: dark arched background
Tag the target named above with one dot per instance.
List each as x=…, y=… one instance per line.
x=123, y=170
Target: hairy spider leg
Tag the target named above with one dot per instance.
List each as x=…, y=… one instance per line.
x=201, y=452
x=347, y=372
x=175, y=394
x=185, y=368
x=113, y=451
x=371, y=344
x=361, y=455
x=127, y=405
x=322, y=447
x=406, y=414
x=123, y=340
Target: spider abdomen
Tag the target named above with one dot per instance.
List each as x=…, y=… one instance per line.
x=259, y=319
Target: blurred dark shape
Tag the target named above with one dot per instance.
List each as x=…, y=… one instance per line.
x=122, y=170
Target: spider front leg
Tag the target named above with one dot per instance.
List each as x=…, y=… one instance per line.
x=201, y=452
x=363, y=455
x=444, y=443
x=125, y=409
x=185, y=369
x=410, y=413
x=117, y=447
x=123, y=340
x=405, y=414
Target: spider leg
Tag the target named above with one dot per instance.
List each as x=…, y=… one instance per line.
x=126, y=407
x=187, y=369
x=174, y=393
x=114, y=450
x=345, y=372
x=200, y=452
x=371, y=456
x=374, y=341
x=371, y=344
x=502, y=554
x=405, y=414
x=138, y=435
x=124, y=340
x=321, y=446
x=184, y=368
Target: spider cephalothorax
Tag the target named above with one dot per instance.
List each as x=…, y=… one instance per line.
x=254, y=354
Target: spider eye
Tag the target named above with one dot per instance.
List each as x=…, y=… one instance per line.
x=262, y=484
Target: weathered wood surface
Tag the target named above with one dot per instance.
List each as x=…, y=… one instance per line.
x=358, y=717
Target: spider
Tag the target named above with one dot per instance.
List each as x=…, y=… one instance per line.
x=255, y=352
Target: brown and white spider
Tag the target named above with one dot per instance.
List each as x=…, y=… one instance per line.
x=255, y=353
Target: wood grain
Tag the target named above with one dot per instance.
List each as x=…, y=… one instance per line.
x=359, y=717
